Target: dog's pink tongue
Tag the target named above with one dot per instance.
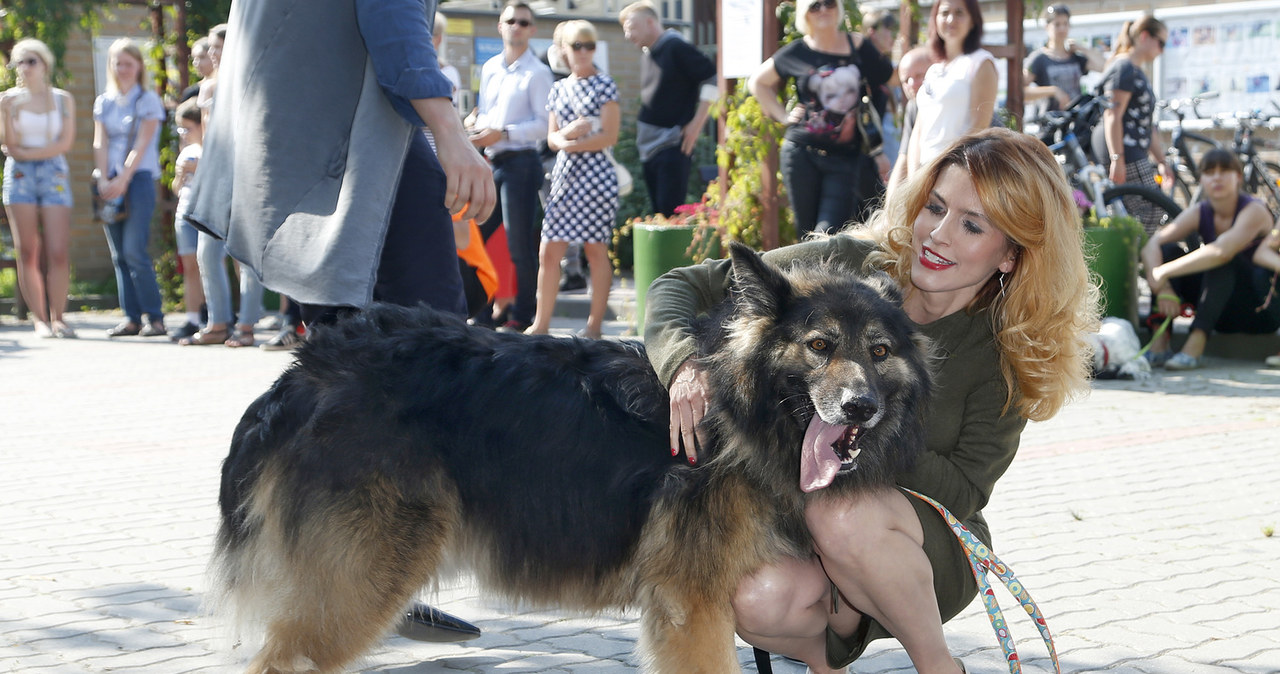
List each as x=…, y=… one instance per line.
x=818, y=462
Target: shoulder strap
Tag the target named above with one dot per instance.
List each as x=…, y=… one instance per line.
x=1207, y=233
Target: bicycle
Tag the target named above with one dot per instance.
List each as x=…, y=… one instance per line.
x=1260, y=176
x=1077, y=120
x=1182, y=162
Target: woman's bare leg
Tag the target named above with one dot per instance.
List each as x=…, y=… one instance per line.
x=784, y=609
x=601, y=283
x=548, y=285
x=871, y=547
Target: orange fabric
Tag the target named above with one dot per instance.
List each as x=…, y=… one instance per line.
x=501, y=258
x=477, y=258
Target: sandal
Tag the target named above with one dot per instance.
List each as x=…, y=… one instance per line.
x=241, y=337
x=63, y=331
x=125, y=329
x=205, y=337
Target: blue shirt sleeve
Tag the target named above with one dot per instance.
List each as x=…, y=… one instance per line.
x=397, y=34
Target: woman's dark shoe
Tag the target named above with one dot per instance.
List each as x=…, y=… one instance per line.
x=424, y=623
x=125, y=329
x=206, y=337
x=153, y=329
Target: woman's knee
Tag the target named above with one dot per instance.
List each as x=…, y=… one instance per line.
x=867, y=518
x=769, y=601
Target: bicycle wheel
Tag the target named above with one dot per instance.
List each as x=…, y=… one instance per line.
x=1262, y=184
x=1184, y=185
x=1152, y=207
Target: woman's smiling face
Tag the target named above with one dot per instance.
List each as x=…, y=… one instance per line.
x=957, y=247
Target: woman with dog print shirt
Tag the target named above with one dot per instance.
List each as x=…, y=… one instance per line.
x=985, y=245
x=821, y=155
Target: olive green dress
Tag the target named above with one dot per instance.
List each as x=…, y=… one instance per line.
x=970, y=441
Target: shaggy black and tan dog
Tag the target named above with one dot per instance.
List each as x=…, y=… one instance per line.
x=403, y=443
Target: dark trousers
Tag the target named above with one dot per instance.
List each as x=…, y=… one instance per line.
x=518, y=176
x=666, y=174
x=1227, y=298
x=419, y=262
x=821, y=186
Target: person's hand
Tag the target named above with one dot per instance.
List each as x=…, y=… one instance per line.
x=576, y=129
x=883, y=167
x=1117, y=171
x=113, y=188
x=469, y=186
x=485, y=137
x=690, y=140
x=689, y=394
x=1166, y=176
x=795, y=116
x=1061, y=97
x=1169, y=302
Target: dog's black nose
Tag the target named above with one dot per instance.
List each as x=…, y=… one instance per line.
x=860, y=409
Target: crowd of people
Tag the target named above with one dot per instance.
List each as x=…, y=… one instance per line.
x=552, y=119
x=286, y=172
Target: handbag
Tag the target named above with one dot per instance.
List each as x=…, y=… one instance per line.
x=869, y=127
x=625, y=182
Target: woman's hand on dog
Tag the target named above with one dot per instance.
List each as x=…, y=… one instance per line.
x=689, y=393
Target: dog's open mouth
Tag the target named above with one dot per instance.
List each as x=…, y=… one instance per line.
x=828, y=451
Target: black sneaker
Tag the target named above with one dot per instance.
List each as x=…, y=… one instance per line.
x=572, y=282
x=285, y=340
x=186, y=330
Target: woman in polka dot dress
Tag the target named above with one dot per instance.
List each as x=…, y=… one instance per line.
x=584, y=187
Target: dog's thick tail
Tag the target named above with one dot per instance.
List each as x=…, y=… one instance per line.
x=319, y=560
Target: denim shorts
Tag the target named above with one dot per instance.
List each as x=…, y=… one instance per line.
x=44, y=183
x=185, y=234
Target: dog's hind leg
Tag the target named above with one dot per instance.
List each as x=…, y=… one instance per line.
x=344, y=574
x=687, y=634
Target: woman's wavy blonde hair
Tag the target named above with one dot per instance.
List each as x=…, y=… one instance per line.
x=1049, y=302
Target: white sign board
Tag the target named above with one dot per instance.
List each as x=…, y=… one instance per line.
x=741, y=37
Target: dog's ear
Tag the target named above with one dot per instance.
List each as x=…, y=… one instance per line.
x=758, y=289
x=887, y=288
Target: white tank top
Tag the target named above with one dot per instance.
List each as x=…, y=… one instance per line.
x=38, y=129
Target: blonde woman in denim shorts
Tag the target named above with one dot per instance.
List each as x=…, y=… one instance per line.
x=38, y=130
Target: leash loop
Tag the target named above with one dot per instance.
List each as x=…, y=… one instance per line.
x=983, y=560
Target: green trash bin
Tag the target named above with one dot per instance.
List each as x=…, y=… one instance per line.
x=659, y=248
x=1115, y=261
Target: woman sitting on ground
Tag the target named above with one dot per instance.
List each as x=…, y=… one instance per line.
x=1268, y=256
x=1219, y=278
x=985, y=244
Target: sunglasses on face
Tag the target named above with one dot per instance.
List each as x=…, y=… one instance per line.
x=821, y=5
x=523, y=23
x=30, y=62
x=583, y=46
x=1159, y=40
x=1057, y=10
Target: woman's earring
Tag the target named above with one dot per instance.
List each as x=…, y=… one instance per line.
x=1001, y=279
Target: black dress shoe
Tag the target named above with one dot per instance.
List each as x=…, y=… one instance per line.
x=188, y=329
x=424, y=623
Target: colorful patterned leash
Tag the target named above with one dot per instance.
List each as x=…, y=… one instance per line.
x=982, y=560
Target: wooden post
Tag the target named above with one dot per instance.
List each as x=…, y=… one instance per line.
x=157, y=34
x=184, y=50
x=769, y=168
x=1014, y=12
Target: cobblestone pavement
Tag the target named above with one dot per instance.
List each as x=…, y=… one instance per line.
x=1140, y=519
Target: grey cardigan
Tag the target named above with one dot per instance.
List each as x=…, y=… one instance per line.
x=304, y=151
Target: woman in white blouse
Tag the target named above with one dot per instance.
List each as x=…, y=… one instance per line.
x=959, y=91
x=38, y=129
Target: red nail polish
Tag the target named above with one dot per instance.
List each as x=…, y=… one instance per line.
x=693, y=461
x=674, y=451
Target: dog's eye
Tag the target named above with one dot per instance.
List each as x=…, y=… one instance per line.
x=818, y=344
x=879, y=352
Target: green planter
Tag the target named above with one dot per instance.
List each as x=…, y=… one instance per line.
x=1115, y=261
x=658, y=249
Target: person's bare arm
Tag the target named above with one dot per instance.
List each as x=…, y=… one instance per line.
x=469, y=188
